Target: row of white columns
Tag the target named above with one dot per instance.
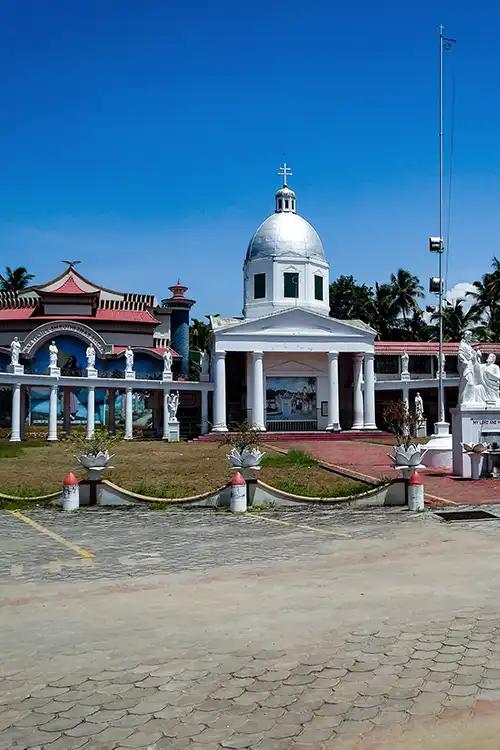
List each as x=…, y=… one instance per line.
x=128, y=433
x=363, y=396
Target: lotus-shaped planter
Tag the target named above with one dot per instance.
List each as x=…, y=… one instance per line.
x=248, y=458
x=94, y=460
x=410, y=457
x=476, y=448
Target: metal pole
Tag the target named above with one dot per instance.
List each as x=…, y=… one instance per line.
x=440, y=369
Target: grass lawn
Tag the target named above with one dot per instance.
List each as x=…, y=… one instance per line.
x=163, y=469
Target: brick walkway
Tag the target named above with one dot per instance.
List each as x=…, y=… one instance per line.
x=372, y=460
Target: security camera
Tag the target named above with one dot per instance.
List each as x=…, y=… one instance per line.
x=436, y=244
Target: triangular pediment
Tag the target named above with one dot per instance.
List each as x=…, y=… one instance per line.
x=297, y=321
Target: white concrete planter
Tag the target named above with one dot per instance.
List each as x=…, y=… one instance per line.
x=475, y=452
x=94, y=460
x=410, y=457
x=248, y=458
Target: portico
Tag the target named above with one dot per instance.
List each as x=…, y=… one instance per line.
x=304, y=371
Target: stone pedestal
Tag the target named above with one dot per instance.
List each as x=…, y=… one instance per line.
x=173, y=431
x=54, y=372
x=16, y=369
x=472, y=425
x=439, y=449
x=91, y=372
x=129, y=375
x=167, y=377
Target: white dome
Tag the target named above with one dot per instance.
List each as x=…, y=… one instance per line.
x=285, y=234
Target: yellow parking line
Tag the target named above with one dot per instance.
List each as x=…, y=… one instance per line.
x=38, y=526
x=300, y=525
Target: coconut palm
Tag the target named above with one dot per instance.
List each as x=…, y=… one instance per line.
x=456, y=320
x=198, y=335
x=384, y=318
x=15, y=279
x=406, y=290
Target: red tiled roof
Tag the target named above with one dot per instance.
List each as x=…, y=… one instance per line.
x=125, y=316
x=428, y=347
x=69, y=287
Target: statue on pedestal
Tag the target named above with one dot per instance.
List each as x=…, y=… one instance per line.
x=479, y=381
x=167, y=362
x=129, y=359
x=487, y=378
x=53, y=352
x=204, y=365
x=90, y=352
x=15, y=351
x=172, y=406
x=419, y=408
x=405, y=359
x=466, y=361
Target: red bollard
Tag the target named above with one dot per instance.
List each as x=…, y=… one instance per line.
x=415, y=492
x=71, y=492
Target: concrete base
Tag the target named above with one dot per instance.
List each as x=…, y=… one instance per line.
x=55, y=372
x=472, y=425
x=91, y=372
x=422, y=429
x=16, y=369
x=129, y=375
x=173, y=433
x=166, y=377
x=439, y=450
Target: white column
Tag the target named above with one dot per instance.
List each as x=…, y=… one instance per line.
x=15, y=432
x=406, y=396
x=166, y=394
x=333, y=391
x=90, y=412
x=128, y=415
x=357, y=370
x=204, y=412
x=258, y=390
x=52, y=413
x=220, y=393
x=370, y=391
x=249, y=403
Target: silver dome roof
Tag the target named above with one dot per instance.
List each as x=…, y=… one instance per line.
x=285, y=233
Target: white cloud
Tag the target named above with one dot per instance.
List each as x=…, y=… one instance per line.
x=459, y=291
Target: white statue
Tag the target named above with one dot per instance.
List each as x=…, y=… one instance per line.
x=441, y=362
x=487, y=380
x=53, y=352
x=90, y=357
x=204, y=363
x=167, y=362
x=129, y=360
x=15, y=351
x=467, y=359
x=172, y=406
x=405, y=358
x=419, y=408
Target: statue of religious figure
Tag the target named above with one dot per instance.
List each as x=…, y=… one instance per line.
x=15, y=351
x=467, y=359
x=441, y=362
x=129, y=359
x=419, y=408
x=487, y=378
x=53, y=352
x=90, y=357
x=172, y=406
x=204, y=363
x=167, y=361
x=405, y=358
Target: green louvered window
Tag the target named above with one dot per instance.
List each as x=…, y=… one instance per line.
x=259, y=285
x=318, y=287
x=291, y=284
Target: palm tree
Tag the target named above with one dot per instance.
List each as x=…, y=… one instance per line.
x=456, y=320
x=198, y=335
x=384, y=318
x=406, y=290
x=15, y=279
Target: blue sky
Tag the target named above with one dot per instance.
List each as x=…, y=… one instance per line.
x=144, y=138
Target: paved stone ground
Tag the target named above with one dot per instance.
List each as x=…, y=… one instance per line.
x=311, y=630
x=371, y=459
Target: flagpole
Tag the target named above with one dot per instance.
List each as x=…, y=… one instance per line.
x=441, y=201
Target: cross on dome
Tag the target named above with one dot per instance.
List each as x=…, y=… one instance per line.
x=285, y=171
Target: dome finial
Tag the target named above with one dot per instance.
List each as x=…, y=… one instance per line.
x=285, y=171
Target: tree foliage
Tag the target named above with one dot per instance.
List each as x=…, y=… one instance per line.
x=15, y=279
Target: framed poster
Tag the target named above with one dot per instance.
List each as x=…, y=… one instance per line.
x=290, y=399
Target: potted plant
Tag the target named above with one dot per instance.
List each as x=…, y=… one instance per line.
x=403, y=422
x=244, y=442
x=93, y=453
